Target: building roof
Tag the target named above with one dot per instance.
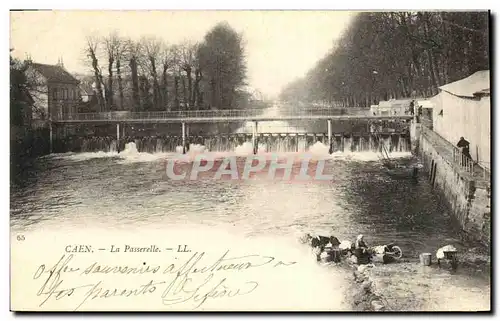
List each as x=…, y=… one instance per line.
x=478, y=82
x=55, y=73
x=425, y=103
x=484, y=92
x=394, y=103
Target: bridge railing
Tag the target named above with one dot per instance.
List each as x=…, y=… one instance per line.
x=229, y=113
x=125, y=115
x=455, y=155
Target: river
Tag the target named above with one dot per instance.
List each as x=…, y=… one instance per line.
x=127, y=197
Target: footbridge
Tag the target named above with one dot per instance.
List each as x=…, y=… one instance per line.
x=184, y=118
x=212, y=116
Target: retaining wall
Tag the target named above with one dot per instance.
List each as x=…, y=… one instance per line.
x=468, y=197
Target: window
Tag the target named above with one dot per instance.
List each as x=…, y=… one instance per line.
x=54, y=93
x=65, y=93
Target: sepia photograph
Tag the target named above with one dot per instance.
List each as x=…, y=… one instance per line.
x=250, y=161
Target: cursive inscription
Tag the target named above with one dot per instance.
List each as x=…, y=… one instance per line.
x=194, y=280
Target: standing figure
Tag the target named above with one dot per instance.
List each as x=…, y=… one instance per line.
x=464, y=146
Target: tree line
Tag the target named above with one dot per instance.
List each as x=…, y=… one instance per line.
x=384, y=55
x=151, y=75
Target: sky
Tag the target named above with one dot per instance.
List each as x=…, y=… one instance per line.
x=280, y=46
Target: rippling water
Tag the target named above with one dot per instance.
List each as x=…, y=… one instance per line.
x=118, y=190
x=130, y=193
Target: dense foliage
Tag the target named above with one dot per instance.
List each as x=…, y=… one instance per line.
x=384, y=55
x=18, y=91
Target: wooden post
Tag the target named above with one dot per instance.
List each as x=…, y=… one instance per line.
x=184, y=138
x=187, y=138
x=255, y=142
x=118, y=137
x=50, y=137
x=330, y=149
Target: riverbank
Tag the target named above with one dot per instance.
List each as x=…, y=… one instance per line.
x=409, y=286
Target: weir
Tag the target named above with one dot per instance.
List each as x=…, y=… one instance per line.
x=160, y=140
x=262, y=142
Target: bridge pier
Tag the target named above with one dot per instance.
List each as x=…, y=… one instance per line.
x=183, y=137
x=330, y=149
x=255, y=140
x=118, y=137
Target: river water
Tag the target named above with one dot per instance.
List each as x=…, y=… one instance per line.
x=127, y=197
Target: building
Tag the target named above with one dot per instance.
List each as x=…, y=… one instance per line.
x=87, y=92
x=391, y=107
x=54, y=90
x=462, y=109
x=424, y=108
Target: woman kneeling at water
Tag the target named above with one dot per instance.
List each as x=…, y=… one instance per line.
x=361, y=250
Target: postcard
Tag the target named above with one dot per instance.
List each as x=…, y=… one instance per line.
x=258, y=160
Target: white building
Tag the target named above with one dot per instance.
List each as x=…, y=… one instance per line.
x=462, y=109
x=393, y=107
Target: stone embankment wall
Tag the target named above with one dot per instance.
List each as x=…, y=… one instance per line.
x=468, y=195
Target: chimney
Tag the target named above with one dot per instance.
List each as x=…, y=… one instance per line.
x=28, y=59
x=60, y=62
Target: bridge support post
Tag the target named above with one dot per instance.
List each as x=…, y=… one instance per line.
x=50, y=137
x=188, y=141
x=118, y=137
x=183, y=138
x=330, y=149
x=255, y=140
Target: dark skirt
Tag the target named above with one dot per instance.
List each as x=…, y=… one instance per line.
x=363, y=258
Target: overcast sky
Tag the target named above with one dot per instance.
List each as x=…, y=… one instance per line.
x=280, y=45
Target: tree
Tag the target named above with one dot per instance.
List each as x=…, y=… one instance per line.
x=110, y=44
x=187, y=61
x=18, y=91
x=150, y=75
x=168, y=61
x=133, y=57
x=152, y=48
x=384, y=55
x=92, y=55
x=222, y=60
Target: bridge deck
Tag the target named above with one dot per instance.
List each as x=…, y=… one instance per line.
x=213, y=116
